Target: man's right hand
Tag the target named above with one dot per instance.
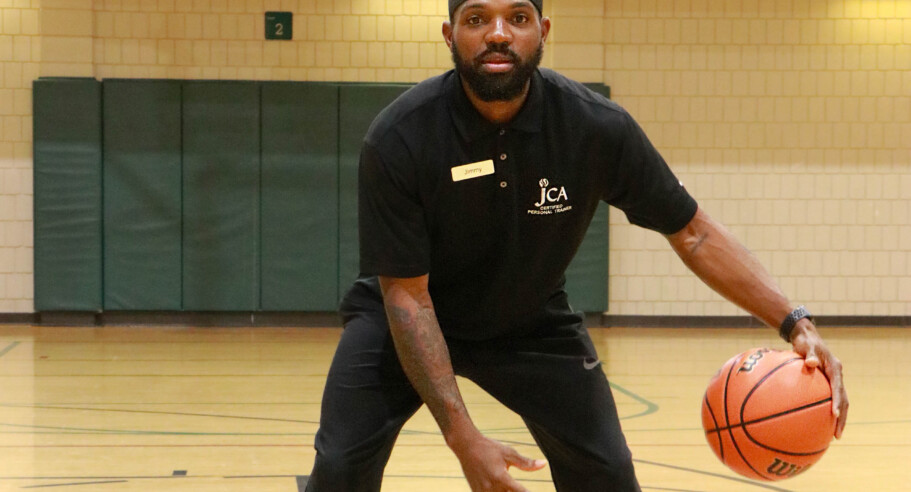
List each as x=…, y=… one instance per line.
x=485, y=463
x=424, y=355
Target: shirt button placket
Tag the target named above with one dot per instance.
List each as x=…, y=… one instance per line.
x=503, y=156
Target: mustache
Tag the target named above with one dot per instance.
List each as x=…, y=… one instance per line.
x=499, y=49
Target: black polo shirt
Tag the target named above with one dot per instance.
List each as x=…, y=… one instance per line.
x=494, y=213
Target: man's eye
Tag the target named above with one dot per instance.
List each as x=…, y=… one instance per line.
x=520, y=19
x=473, y=20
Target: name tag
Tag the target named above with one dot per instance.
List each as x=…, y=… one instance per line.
x=473, y=170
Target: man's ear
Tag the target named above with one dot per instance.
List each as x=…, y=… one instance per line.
x=545, y=28
x=447, y=33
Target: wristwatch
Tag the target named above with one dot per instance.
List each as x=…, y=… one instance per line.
x=787, y=326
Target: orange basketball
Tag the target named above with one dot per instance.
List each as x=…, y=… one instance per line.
x=767, y=416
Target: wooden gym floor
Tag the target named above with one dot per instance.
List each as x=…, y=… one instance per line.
x=167, y=409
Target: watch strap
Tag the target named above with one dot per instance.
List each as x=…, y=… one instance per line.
x=790, y=321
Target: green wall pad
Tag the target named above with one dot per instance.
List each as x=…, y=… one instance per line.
x=221, y=186
x=358, y=106
x=586, y=276
x=142, y=199
x=299, y=196
x=67, y=206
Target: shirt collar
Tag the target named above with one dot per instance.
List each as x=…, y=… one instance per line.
x=471, y=125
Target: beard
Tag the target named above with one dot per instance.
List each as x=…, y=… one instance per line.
x=497, y=86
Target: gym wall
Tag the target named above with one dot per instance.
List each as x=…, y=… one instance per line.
x=788, y=120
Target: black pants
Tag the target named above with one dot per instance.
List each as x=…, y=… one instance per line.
x=548, y=380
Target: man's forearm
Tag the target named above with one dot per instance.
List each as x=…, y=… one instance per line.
x=716, y=256
x=424, y=356
x=725, y=265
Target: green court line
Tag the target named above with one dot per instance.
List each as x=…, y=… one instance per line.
x=650, y=407
x=8, y=348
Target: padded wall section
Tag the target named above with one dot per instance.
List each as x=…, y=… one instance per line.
x=299, y=196
x=586, y=277
x=142, y=195
x=221, y=186
x=67, y=194
x=358, y=106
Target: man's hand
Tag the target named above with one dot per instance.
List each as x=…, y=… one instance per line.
x=485, y=463
x=809, y=344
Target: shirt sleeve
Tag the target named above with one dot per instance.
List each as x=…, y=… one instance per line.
x=640, y=183
x=391, y=222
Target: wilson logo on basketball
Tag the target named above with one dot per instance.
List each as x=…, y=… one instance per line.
x=751, y=361
x=784, y=469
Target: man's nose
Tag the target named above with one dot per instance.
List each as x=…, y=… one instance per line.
x=499, y=32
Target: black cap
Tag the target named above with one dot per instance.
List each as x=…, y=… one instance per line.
x=454, y=4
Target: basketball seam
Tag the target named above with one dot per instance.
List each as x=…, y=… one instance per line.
x=743, y=404
x=769, y=417
x=714, y=421
x=790, y=453
x=727, y=422
x=750, y=394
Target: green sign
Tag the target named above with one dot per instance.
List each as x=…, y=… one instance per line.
x=278, y=25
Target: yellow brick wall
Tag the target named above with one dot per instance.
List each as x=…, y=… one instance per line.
x=790, y=120
x=354, y=40
x=20, y=61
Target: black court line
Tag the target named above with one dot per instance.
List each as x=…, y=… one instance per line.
x=712, y=474
x=301, y=480
x=8, y=348
x=248, y=477
x=72, y=484
x=156, y=412
x=682, y=468
x=645, y=487
x=95, y=404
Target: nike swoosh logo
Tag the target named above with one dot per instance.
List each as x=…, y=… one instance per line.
x=589, y=364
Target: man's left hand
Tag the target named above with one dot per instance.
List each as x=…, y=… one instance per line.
x=809, y=344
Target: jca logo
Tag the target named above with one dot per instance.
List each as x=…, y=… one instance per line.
x=553, y=200
x=550, y=195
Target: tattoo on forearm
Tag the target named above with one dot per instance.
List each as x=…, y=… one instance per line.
x=424, y=355
x=699, y=241
x=401, y=316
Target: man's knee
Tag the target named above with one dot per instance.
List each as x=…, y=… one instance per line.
x=616, y=477
x=595, y=474
x=341, y=472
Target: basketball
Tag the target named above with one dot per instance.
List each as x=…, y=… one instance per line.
x=767, y=416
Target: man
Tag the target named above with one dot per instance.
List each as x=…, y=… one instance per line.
x=476, y=188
